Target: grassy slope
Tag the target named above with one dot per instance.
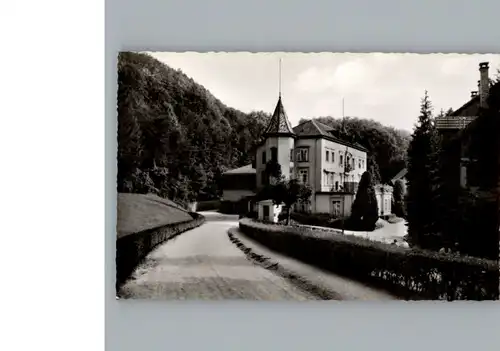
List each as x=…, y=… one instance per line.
x=138, y=212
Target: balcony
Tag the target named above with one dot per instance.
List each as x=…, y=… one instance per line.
x=453, y=122
x=349, y=187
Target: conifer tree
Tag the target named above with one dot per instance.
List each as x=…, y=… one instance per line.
x=364, y=211
x=398, y=196
x=422, y=172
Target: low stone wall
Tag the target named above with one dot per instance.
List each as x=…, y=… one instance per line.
x=133, y=248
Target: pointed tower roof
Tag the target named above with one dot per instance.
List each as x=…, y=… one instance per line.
x=279, y=125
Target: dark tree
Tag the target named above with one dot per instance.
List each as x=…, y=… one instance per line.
x=364, y=212
x=372, y=167
x=176, y=139
x=399, y=199
x=422, y=160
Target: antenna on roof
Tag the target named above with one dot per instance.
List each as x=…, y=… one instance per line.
x=343, y=116
x=280, y=79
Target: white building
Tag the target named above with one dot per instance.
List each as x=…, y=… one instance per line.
x=314, y=155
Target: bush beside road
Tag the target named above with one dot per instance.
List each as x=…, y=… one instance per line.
x=410, y=274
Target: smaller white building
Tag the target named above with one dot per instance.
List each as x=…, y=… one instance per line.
x=268, y=211
x=384, y=199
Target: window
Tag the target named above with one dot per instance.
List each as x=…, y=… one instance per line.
x=337, y=185
x=266, y=211
x=341, y=162
x=303, y=175
x=274, y=154
x=333, y=156
x=303, y=155
x=359, y=163
x=291, y=155
x=263, y=157
x=327, y=156
x=331, y=179
x=327, y=178
x=336, y=208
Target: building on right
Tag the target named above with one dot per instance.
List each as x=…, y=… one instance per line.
x=470, y=166
x=461, y=131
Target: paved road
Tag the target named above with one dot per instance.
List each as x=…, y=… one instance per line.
x=204, y=264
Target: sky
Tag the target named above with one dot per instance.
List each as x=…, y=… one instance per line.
x=385, y=87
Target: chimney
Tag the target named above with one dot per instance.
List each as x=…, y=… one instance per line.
x=473, y=94
x=484, y=84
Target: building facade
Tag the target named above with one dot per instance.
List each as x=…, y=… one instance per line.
x=457, y=128
x=311, y=153
x=238, y=190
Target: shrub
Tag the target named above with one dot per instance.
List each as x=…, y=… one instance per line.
x=411, y=274
x=210, y=205
x=398, y=199
x=132, y=249
x=365, y=207
x=327, y=220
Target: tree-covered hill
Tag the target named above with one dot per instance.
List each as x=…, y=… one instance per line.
x=174, y=137
x=388, y=146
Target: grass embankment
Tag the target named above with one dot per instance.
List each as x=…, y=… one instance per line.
x=139, y=212
x=145, y=221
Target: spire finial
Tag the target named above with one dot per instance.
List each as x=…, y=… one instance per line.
x=280, y=79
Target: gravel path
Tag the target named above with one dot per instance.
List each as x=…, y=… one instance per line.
x=204, y=264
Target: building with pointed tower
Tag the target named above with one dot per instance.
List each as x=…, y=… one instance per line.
x=309, y=152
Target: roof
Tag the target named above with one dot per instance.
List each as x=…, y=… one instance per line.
x=401, y=174
x=472, y=125
x=312, y=128
x=279, y=123
x=242, y=170
x=473, y=104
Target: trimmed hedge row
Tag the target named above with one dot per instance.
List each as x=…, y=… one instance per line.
x=408, y=273
x=210, y=205
x=326, y=220
x=132, y=249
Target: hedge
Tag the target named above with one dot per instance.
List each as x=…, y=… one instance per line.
x=210, y=205
x=409, y=273
x=326, y=220
x=133, y=248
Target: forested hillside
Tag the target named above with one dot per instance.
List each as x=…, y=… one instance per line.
x=174, y=137
x=388, y=146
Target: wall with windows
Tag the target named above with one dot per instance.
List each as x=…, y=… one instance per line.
x=280, y=147
x=306, y=158
x=332, y=165
x=326, y=203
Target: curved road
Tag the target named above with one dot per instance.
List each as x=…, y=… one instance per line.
x=203, y=264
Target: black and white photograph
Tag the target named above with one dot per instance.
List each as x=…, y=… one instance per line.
x=307, y=176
